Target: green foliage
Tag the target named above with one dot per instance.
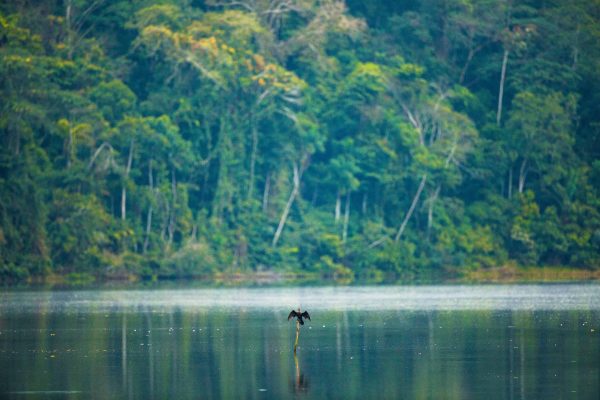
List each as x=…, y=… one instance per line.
x=191, y=260
x=183, y=139
x=78, y=231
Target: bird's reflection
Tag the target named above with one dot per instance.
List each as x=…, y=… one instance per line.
x=300, y=383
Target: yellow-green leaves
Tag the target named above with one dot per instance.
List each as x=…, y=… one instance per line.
x=16, y=37
x=167, y=15
x=367, y=76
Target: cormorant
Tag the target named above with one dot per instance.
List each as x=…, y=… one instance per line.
x=297, y=314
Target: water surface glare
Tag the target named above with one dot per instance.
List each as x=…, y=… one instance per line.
x=454, y=297
x=451, y=342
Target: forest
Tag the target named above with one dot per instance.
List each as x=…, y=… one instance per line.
x=172, y=139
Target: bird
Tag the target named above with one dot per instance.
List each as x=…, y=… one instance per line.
x=299, y=315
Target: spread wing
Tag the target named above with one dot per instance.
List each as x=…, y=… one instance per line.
x=305, y=315
x=292, y=315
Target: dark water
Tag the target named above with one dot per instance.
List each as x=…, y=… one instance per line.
x=432, y=342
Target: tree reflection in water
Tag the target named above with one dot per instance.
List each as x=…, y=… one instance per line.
x=174, y=352
x=300, y=383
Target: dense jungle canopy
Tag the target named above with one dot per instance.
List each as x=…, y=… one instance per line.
x=184, y=138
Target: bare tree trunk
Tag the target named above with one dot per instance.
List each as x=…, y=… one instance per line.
x=224, y=154
x=377, y=242
x=445, y=42
x=501, y=89
x=252, y=159
x=431, y=201
x=288, y=206
x=364, y=203
x=165, y=221
x=75, y=23
x=313, y=201
x=148, y=229
x=124, y=190
x=210, y=154
x=411, y=209
x=510, y=179
x=472, y=52
x=123, y=203
x=346, y=218
x=17, y=143
x=265, y=203
x=70, y=145
x=338, y=207
x=576, y=49
x=68, y=23
x=415, y=122
x=522, y=175
x=172, y=217
x=149, y=216
x=97, y=153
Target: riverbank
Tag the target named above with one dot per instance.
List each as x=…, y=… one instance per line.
x=514, y=274
x=504, y=274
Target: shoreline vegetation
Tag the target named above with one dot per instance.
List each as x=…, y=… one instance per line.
x=390, y=141
x=512, y=274
x=507, y=274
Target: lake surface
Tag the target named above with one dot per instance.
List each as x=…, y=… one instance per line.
x=423, y=342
